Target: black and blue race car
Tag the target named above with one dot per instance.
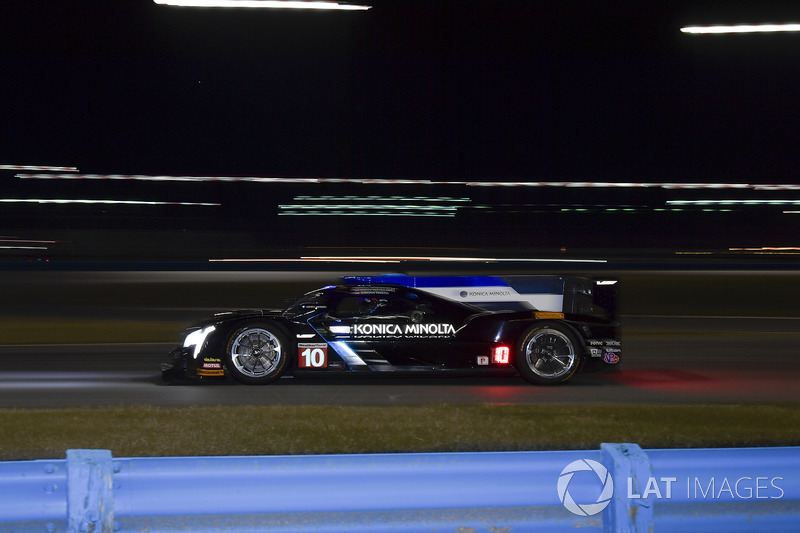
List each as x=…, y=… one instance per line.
x=546, y=328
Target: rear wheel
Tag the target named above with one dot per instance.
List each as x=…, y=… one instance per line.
x=256, y=354
x=548, y=354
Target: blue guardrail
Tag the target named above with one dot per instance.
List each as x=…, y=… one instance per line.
x=619, y=487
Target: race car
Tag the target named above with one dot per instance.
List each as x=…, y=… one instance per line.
x=545, y=328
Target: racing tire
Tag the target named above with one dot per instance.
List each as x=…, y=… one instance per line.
x=256, y=354
x=549, y=354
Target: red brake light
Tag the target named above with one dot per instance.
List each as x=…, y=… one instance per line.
x=501, y=355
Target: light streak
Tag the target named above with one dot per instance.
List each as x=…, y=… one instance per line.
x=38, y=167
x=401, y=206
x=398, y=259
x=268, y=4
x=741, y=28
x=366, y=214
x=695, y=253
x=371, y=207
x=407, y=210
x=252, y=179
x=733, y=202
x=381, y=198
x=706, y=186
x=304, y=260
x=414, y=182
x=767, y=249
x=28, y=240
x=97, y=202
x=23, y=244
x=785, y=187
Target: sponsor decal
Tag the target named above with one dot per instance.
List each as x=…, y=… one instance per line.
x=606, y=342
x=312, y=355
x=373, y=289
x=403, y=330
x=595, y=352
x=211, y=367
x=210, y=372
x=547, y=315
x=484, y=294
x=611, y=358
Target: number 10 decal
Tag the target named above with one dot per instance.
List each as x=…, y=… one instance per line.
x=312, y=355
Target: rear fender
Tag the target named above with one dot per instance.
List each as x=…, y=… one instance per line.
x=515, y=330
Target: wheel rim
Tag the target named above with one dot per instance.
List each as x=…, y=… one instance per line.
x=550, y=354
x=255, y=352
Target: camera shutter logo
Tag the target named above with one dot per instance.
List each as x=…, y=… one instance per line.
x=588, y=509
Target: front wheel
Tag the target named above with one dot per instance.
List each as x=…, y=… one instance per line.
x=548, y=354
x=256, y=354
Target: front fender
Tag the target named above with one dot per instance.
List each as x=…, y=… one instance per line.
x=217, y=341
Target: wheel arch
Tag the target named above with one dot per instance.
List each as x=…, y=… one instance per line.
x=573, y=336
x=243, y=365
x=523, y=327
x=218, y=341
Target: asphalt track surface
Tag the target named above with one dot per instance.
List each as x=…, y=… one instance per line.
x=670, y=358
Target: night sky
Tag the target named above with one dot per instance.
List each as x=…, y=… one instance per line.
x=495, y=90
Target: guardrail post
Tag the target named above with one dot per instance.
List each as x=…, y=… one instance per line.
x=90, y=498
x=631, y=471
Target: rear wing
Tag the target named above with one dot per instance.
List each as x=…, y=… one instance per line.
x=561, y=294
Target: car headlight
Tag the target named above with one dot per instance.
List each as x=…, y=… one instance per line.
x=197, y=338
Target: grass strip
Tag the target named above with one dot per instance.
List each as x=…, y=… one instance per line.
x=53, y=330
x=279, y=430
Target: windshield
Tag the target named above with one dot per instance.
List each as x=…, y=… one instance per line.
x=312, y=301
